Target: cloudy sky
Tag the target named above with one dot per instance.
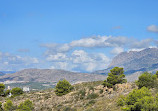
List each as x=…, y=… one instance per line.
x=75, y=35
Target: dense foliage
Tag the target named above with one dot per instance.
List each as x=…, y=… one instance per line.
x=2, y=87
x=8, y=106
x=16, y=91
x=157, y=74
x=1, y=109
x=62, y=88
x=115, y=76
x=146, y=79
x=26, y=106
x=139, y=100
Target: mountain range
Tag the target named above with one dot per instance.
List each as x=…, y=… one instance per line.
x=135, y=61
x=49, y=75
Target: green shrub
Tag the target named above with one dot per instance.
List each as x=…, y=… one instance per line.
x=69, y=109
x=2, y=87
x=91, y=102
x=1, y=109
x=121, y=101
x=139, y=100
x=116, y=76
x=26, y=106
x=7, y=92
x=157, y=74
x=63, y=87
x=8, y=106
x=92, y=96
x=82, y=93
x=146, y=79
x=101, y=91
x=91, y=88
x=16, y=91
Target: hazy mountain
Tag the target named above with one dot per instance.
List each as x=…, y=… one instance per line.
x=1, y=73
x=8, y=72
x=135, y=61
x=50, y=75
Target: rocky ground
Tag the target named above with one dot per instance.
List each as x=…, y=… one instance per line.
x=89, y=96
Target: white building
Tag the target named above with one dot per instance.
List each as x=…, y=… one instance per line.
x=26, y=89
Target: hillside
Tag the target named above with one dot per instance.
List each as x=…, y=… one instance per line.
x=135, y=61
x=89, y=96
x=1, y=73
x=49, y=75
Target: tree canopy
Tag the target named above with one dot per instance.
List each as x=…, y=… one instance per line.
x=2, y=87
x=26, y=106
x=62, y=88
x=146, y=79
x=8, y=106
x=139, y=100
x=16, y=91
x=115, y=76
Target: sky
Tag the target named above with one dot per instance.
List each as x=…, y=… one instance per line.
x=74, y=35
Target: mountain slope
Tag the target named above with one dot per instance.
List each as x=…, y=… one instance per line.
x=134, y=61
x=1, y=73
x=50, y=75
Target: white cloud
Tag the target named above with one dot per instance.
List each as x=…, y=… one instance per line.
x=14, y=62
x=56, y=57
x=117, y=50
x=78, y=55
x=91, y=42
x=79, y=60
x=153, y=28
x=141, y=44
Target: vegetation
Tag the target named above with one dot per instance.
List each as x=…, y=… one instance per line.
x=7, y=92
x=89, y=96
x=116, y=76
x=26, y=106
x=16, y=91
x=157, y=74
x=139, y=100
x=2, y=87
x=8, y=106
x=62, y=88
x=146, y=79
x=1, y=107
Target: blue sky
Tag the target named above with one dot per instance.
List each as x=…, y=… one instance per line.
x=76, y=35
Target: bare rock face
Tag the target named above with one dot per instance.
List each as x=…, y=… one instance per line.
x=135, y=61
x=50, y=75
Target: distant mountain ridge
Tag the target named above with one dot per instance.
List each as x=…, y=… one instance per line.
x=135, y=61
x=50, y=75
x=1, y=73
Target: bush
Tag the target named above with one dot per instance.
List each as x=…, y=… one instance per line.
x=92, y=96
x=1, y=109
x=7, y=92
x=26, y=106
x=146, y=79
x=8, y=106
x=139, y=100
x=2, y=87
x=63, y=87
x=157, y=74
x=82, y=93
x=116, y=76
x=16, y=91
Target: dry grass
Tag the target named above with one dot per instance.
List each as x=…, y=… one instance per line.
x=90, y=96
